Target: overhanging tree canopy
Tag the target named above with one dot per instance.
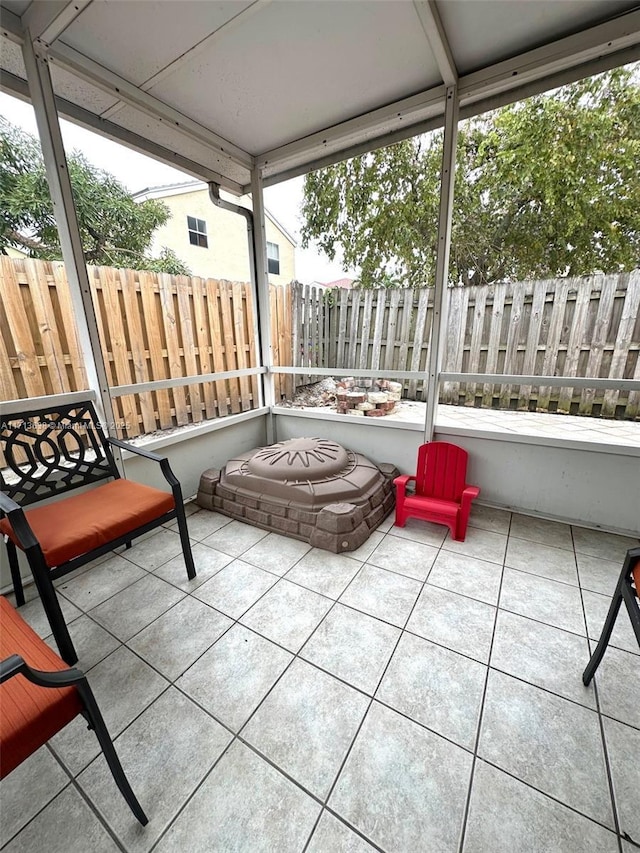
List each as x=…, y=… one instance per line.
x=546, y=187
x=115, y=230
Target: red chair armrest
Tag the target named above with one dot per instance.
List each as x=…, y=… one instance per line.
x=469, y=493
x=401, y=483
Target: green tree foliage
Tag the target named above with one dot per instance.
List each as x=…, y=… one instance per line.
x=544, y=188
x=115, y=230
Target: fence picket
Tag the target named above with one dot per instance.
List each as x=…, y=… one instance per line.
x=69, y=330
x=188, y=342
x=420, y=337
x=513, y=338
x=598, y=340
x=576, y=336
x=456, y=328
x=214, y=307
x=353, y=330
x=151, y=311
x=497, y=313
x=205, y=364
x=342, y=306
x=531, y=347
x=230, y=355
x=242, y=345
x=113, y=323
x=478, y=315
x=623, y=342
x=380, y=303
x=138, y=353
x=390, y=330
x=367, y=313
x=556, y=326
x=171, y=330
x=405, y=329
x=45, y=319
x=19, y=332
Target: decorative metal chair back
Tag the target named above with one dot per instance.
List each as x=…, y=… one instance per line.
x=48, y=452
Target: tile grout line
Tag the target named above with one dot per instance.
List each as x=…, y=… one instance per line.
x=366, y=713
x=603, y=742
x=236, y=736
x=237, y=621
x=474, y=760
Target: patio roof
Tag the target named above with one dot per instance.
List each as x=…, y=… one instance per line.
x=220, y=88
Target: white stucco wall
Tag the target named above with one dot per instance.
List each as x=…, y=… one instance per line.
x=592, y=486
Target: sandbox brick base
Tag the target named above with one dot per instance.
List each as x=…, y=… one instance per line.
x=336, y=527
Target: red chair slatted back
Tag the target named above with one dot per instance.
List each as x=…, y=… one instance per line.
x=442, y=470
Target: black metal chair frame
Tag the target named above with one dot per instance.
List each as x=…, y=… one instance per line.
x=15, y=665
x=66, y=449
x=626, y=592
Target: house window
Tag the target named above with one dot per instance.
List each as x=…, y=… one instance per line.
x=197, y=232
x=273, y=258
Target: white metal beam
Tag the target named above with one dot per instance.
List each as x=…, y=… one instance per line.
x=537, y=71
x=78, y=115
x=353, y=151
x=85, y=68
x=46, y=20
x=439, y=322
x=262, y=298
x=42, y=98
x=568, y=52
x=534, y=87
x=407, y=111
x=437, y=37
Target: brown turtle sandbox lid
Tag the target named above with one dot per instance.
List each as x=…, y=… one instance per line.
x=306, y=488
x=309, y=472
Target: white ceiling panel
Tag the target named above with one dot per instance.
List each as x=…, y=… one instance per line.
x=164, y=134
x=138, y=38
x=297, y=82
x=79, y=92
x=487, y=31
x=293, y=68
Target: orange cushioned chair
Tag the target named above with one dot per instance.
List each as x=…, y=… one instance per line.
x=39, y=695
x=441, y=493
x=57, y=449
x=627, y=590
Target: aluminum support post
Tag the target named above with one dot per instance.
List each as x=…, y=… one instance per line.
x=439, y=324
x=262, y=299
x=55, y=161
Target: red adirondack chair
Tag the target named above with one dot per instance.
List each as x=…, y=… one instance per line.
x=441, y=493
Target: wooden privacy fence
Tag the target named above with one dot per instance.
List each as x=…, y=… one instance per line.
x=152, y=326
x=572, y=327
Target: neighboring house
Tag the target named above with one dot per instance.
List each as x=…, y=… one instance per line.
x=12, y=252
x=344, y=283
x=213, y=242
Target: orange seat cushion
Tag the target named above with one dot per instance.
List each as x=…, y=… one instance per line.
x=29, y=715
x=636, y=578
x=74, y=525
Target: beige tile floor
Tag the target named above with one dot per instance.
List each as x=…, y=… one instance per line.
x=416, y=695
